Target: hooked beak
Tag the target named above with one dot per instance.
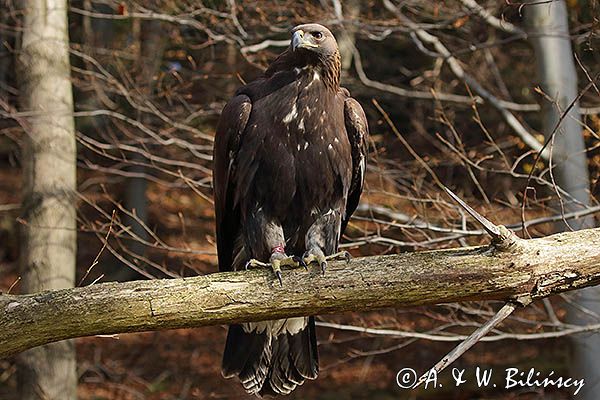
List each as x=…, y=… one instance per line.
x=299, y=42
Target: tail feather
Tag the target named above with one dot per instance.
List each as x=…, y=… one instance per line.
x=273, y=357
x=306, y=362
x=235, y=355
x=255, y=371
x=246, y=355
x=281, y=373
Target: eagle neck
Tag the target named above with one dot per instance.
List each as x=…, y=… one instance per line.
x=331, y=67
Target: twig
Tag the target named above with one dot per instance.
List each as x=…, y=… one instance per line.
x=414, y=94
x=13, y=285
x=263, y=45
x=501, y=24
x=388, y=120
x=489, y=227
x=456, y=337
x=9, y=207
x=235, y=20
x=459, y=350
x=105, y=242
x=458, y=70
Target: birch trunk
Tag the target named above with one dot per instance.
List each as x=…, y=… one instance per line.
x=557, y=76
x=49, y=158
x=549, y=33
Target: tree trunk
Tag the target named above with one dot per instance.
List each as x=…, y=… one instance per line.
x=347, y=37
x=152, y=42
x=549, y=33
x=49, y=160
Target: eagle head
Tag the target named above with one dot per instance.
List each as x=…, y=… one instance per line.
x=314, y=45
x=315, y=39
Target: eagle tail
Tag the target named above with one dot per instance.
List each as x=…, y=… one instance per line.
x=272, y=357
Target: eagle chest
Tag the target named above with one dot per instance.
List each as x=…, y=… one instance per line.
x=306, y=153
x=314, y=133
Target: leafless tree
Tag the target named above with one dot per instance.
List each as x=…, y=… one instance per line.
x=563, y=131
x=49, y=234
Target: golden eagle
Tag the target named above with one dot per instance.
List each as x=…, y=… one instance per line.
x=289, y=164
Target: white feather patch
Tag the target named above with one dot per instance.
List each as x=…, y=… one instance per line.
x=291, y=115
x=276, y=327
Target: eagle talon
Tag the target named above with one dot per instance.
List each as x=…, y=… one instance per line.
x=279, y=260
x=348, y=257
x=342, y=255
x=318, y=257
x=253, y=263
x=275, y=265
x=315, y=255
x=300, y=262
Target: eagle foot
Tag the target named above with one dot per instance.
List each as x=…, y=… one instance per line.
x=277, y=261
x=342, y=255
x=317, y=255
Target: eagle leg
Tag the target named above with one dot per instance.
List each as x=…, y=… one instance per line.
x=322, y=237
x=277, y=260
x=317, y=255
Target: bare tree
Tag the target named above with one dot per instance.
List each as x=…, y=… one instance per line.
x=48, y=209
x=562, y=127
x=152, y=44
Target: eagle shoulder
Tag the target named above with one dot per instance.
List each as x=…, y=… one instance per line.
x=230, y=129
x=357, y=129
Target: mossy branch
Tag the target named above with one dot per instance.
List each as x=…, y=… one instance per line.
x=510, y=270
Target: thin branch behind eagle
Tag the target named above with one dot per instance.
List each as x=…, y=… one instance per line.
x=289, y=164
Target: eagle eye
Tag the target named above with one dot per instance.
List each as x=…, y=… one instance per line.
x=317, y=35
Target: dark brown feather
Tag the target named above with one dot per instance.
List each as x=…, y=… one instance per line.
x=229, y=132
x=358, y=133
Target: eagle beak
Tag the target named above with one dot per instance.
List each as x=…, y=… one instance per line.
x=299, y=42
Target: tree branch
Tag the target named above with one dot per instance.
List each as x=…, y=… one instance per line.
x=471, y=341
x=454, y=64
x=505, y=271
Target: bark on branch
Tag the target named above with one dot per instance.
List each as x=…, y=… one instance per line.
x=511, y=269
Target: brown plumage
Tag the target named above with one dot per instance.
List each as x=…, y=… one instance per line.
x=289, y=163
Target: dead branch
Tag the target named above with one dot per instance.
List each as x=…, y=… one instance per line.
x=458, y=70
x=472, y=340
x=503, y=271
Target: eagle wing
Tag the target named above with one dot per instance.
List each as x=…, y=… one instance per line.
x=357, y=129
x=230, y=130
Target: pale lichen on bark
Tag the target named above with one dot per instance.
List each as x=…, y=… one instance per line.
x=515, y=271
